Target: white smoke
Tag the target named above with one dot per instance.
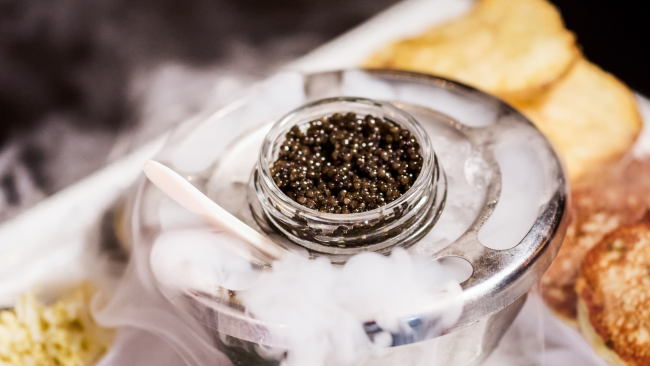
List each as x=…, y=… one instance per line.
x=324, y=307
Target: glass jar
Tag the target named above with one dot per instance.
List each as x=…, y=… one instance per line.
x=339, y=236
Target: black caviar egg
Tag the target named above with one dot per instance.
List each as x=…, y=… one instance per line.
x=346, y=163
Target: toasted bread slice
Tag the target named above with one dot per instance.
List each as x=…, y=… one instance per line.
x=614, y=292
x=617, y=195
x=511, y=48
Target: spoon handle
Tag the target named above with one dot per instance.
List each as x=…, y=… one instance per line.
x=188, y=196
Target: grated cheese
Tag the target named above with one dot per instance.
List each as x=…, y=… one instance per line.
x=63, y=334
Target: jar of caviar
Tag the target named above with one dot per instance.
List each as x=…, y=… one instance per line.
x=393, y=198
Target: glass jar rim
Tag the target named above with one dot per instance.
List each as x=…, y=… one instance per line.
x=266, y=159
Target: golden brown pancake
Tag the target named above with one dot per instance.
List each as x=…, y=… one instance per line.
x=614, y=293
x=511, y=48
x=590, y=117
x=614, y=196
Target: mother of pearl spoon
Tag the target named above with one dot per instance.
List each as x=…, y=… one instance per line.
x=188, y=196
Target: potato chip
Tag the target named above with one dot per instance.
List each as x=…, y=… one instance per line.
x=511, y=48
x=589, y=116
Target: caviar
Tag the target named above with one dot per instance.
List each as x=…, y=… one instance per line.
x=347, y=163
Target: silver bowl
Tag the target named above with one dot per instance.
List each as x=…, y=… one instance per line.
x=494, y=293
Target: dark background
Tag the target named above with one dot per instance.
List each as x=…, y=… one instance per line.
x=614, y=34
x=81, y=80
